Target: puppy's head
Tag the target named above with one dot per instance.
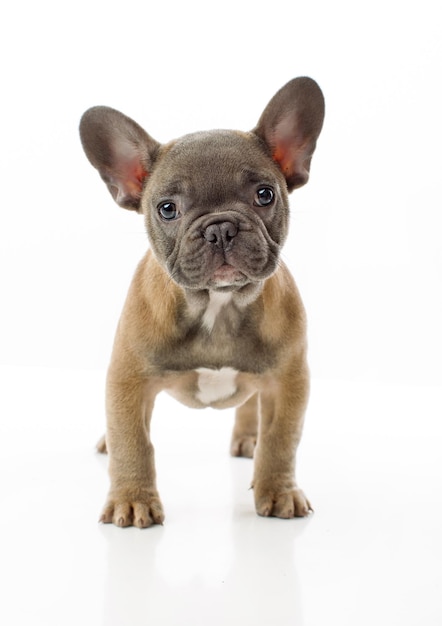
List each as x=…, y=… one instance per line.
x=215, y=203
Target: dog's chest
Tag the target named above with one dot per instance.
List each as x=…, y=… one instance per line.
x=218, y=355
x=218, y=361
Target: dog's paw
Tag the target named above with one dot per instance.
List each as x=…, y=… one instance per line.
x=141, y=512
x=243, y=445
x=287, y=504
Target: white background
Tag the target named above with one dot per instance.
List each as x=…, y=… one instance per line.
x=365, y=249
x=365, y=235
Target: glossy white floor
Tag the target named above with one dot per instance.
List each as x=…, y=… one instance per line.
x=370, y=462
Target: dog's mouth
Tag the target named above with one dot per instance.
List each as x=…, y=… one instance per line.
x=221, y=274
x=226, y=276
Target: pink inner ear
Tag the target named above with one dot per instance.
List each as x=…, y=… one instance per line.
x=286, y=144
x=135, y=173
x=290, y=151
x=283, y=155
x=130, y=179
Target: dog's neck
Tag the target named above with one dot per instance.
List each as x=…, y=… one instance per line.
x=184, y=309
x=217, y=301
x=211, y=304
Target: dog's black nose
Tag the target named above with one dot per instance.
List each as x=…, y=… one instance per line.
x=221, y=234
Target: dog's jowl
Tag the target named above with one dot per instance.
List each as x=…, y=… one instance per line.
x=213, y=315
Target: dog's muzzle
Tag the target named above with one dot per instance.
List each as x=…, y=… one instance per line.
x=221, y=250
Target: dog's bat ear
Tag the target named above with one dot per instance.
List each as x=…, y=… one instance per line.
x=120, y=150
x=290, y=126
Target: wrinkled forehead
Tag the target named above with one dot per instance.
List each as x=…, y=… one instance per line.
x=218, y=158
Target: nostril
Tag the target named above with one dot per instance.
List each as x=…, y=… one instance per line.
x=228, y=231
x=212, y=233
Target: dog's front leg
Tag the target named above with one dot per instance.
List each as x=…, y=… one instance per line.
x=133, y=498
x=282, y=407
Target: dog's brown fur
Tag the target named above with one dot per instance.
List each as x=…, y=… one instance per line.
x=212, y=315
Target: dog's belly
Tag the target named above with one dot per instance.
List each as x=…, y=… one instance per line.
x=216, y=385
x=216, y=388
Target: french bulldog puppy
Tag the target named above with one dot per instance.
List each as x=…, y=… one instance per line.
x=213, y=315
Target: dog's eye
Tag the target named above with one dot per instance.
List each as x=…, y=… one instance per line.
x=168, y=211
x=264, y=196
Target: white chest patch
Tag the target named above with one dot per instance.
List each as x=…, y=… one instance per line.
x=215, y=385
x=216, y=302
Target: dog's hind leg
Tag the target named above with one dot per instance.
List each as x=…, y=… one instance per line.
x=246, y=428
